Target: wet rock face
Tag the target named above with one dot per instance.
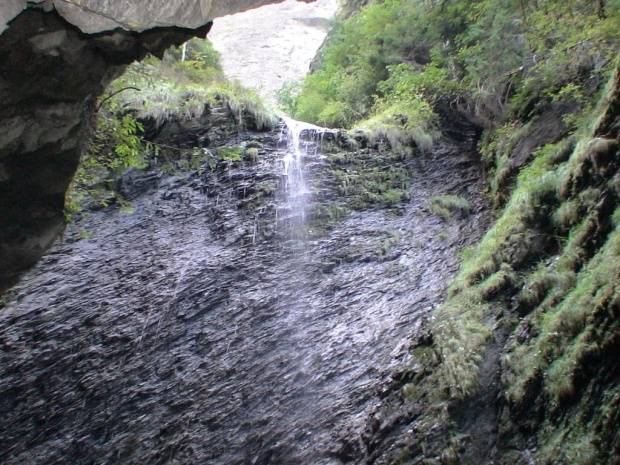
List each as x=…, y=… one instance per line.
x=203, y=328
x=50, y=75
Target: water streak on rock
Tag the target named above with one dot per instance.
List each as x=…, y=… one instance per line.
x=303, y=140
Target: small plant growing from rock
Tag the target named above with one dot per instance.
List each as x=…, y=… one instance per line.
x=251, y=154
x=445, y=206
x=230, y=153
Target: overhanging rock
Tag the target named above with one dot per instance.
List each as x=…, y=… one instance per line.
x=56, y=58
x=93, y=16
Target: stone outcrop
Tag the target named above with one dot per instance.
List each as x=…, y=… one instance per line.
x=93, y=16
x=55, y=60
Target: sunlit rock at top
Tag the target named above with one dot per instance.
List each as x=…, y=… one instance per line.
x=270, y=46
x=92, y=16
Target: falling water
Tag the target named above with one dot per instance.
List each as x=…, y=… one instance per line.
x=302, y=141
x=298, y=308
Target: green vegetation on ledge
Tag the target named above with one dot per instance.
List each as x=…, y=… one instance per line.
x=392, y=65
x=185, y=85
x=543, y=285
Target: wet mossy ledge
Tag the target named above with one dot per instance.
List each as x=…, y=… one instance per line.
x=519, y=364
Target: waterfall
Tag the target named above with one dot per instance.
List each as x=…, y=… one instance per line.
x=302, y=142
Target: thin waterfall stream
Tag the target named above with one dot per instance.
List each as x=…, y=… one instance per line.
x=302, y=141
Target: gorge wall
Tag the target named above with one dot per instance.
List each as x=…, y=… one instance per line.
x=218, y=325
x=56, y=58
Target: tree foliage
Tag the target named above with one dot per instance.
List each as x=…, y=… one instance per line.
x=488, y=58
x=115, y=146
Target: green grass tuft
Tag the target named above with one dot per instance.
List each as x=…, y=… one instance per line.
x=460, y=336
x=445, y=206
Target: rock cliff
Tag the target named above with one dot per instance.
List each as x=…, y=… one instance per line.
x=56, y=58
x=205, y=328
